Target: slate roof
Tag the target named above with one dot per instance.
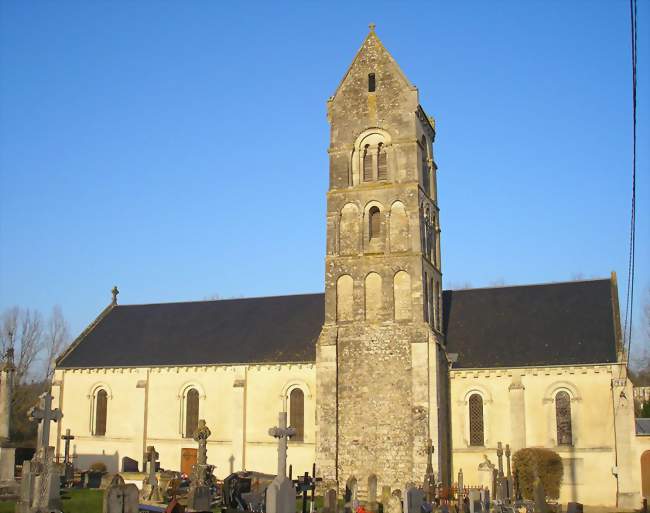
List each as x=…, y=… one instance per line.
x=530, y=325
x=266, y=329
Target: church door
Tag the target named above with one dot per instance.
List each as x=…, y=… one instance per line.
x=645, y=474
x=188, y=459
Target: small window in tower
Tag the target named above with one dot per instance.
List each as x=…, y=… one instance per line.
x=375, y=226
x=382, y=171
x=367, y=164
x=371, y=82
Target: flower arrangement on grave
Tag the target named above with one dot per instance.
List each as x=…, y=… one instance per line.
x=361, y=509
x=535, y=461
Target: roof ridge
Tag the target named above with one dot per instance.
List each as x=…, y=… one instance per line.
x=195, y=301
x=541, y=284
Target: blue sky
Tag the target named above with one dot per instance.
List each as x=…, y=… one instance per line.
x=178, y=149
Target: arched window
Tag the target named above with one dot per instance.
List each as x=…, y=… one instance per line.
x=382, y=168
x=374, y=219
x=563, y=418
x=297, y=414
x=476, y=429
x=438, y=306
x=371, y=82
x=101, y=410
x=191, y=412
x=367, y=164
x=426, y=180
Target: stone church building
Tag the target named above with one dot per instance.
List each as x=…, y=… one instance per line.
x=382, y=361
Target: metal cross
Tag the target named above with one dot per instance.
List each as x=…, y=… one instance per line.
x=115, y=292
x=44, y=414
x=282, y=433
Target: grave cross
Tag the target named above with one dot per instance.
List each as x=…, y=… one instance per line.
x=152, y=456
x=44, y=414
x=66, y=452
x=429, y=476
x=201, y=436
x=282, y=433
x=500, y=457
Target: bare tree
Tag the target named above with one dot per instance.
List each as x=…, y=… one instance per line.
x=22, y=329
x=55, y=339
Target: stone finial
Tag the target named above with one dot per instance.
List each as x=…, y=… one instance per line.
x=372, y=26
x=115, y=291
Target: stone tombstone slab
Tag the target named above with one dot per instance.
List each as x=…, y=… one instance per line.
x=281, y=496
x=539, y=495
x=475, y=502
x=394, y=504
x=129, y=465
x=385, y=494
x=7, y=463
x=120, y=497
x=485, y=499
x=199, y=498
x=574, y=507
x=330, y=501
x=486, y=473
x=413, y=500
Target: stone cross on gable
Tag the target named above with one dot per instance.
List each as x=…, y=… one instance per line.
x=44, y=414
x=282, y=433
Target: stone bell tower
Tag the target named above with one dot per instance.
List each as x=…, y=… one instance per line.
x=382, y=384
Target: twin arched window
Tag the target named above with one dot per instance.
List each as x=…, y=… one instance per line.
x=374, y=162
x=297, y=414
x=191, y=410
x=563, y=418
x=101, y=412
x=476, y=424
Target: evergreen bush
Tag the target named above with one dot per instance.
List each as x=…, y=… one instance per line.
x=545, y=463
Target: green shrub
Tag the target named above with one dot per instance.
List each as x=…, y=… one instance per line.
x=98, y=466
x=544, y=463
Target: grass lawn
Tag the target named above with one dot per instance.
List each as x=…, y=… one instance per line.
x=74, y=501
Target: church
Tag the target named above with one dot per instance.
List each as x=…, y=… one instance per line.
x=382, y=362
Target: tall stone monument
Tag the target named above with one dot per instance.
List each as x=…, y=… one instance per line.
x=281, y=494
x=40, y=479
x=199, y=497
x=430, y=477
x=7, y=453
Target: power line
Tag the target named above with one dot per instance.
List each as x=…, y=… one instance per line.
x=629, y=301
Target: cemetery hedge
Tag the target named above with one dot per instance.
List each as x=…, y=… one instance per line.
x=535, y=461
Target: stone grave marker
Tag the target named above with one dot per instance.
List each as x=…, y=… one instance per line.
x=413, y=500
x=40, y=483
x=7, y=454
x=199, y=497
x=120, y=497
x=429, y=475
x=130, y=465
x=281, y=494
x=539, y=495
x=574, y=507
x=150, y=489
x=485, y=499
x=394, y=503
x=475, y=502
x=486, y=473
x=67, y=463
x=330, y=501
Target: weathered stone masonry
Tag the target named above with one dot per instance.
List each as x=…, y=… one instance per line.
x=380, y=356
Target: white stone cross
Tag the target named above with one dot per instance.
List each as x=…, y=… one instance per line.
x=282, y=433
x=44, y=414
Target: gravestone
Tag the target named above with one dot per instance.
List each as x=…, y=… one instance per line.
x=574, y=507
x=486, y=473
x=330, y=502
x=120, y=497
x=539, y=495
x=509, y=478
x=199, y=497
x=130, y=465
x=150, y=489
x=475, y=502
x=413, y=500
x=67, y=463
x=40, y=484
x=394, y=503
x=461, y=486
x=385, y=496
x=7, y=454
x=281, y=494
x=485, y=499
